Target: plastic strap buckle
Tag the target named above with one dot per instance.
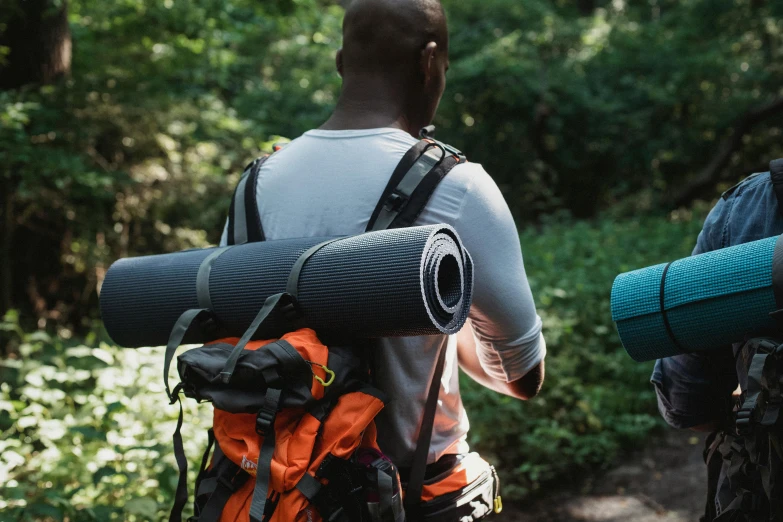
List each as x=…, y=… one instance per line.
x=744, y=421
x=265, y=417
x=394, y=202
x=264, y=420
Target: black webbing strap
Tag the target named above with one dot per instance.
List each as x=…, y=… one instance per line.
x=776, y=176
x=255, y=230
x=419, y=463
x=777, y=272
x=400, y=170
x=258, y=505
x=181, y=493
x=178, y=333
x=244, y=220
x=228, y=480
x=665, y=316
x=202, y=278
x=205, y=460
x=272, y=303
x=292, y=287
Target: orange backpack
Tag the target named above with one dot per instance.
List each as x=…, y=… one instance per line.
x=293, y=431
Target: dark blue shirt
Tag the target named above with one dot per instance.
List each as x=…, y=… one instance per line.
x=696, y=388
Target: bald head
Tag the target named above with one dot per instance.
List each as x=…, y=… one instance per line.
x=389, y=35
x=393, y=63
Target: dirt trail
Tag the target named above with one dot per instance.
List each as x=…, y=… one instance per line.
x=662, y=483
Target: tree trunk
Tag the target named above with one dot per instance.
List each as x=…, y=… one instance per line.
x=39, y=40
x=37, y=35
x=6, y=235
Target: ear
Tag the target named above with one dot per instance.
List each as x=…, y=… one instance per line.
x=339, y=62
x=427, y=64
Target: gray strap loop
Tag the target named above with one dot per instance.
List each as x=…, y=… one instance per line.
x=202, y=278
x=264, y=467
x=181, y=328
x=308, y=486
x=272, y=303
x=292, y=287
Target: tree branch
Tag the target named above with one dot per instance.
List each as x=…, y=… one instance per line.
x=711, y=174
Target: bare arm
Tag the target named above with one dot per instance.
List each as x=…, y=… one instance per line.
x=523, y=388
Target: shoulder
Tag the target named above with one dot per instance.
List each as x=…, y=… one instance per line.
x=759, y=181
x=481, y=196
x=746, y=212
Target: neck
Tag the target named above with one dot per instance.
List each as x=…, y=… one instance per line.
x=368, y=105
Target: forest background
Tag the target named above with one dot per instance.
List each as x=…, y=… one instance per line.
x=611, y=126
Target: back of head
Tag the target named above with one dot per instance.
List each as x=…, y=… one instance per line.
x=394, y=57
x=388, y=36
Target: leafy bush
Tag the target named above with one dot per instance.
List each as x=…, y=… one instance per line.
x=85, y=430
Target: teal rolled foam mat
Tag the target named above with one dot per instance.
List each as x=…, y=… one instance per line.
x=701, y=302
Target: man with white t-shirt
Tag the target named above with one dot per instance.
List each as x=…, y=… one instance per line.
x=327, y=183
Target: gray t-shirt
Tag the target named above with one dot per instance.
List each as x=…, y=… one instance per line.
x=327, y=183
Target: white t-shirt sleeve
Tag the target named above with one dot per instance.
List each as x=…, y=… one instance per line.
x=503, y=315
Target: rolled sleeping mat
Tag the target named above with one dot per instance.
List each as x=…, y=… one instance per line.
x=701, y=302
x=389, y=283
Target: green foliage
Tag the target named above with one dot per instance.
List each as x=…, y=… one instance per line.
x=138, y=150
x=596, y=401
x=576, y=110
x=85, y=429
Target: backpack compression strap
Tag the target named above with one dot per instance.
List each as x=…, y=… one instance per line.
x=412, y=183
x=244, y=221
x=776, y=176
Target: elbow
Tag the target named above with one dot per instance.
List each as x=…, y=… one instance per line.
x=529, y=385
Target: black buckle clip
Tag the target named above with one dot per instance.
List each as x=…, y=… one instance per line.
x=744, y=421
x=394, y=202
x=264, y=420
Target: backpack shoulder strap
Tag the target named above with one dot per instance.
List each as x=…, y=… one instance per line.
x=776, y=176
x=408, y=191
x=244, y=221
x=412, y=184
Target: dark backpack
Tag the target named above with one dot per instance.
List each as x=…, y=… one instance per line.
x=745, y=459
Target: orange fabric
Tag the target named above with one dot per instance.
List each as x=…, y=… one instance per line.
x=465, y=473
x=342, y=432
x=302, y=442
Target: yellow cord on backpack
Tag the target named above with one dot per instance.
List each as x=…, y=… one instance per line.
x=329, y=374
x=498, y=504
